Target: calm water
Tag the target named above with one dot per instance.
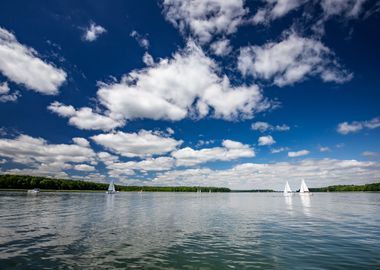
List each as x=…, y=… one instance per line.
x=189, y=231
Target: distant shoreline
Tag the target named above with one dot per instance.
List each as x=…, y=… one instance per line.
x=26, y=182
x=136, y=191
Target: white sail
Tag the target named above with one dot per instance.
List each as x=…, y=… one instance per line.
x=304, y=188
x=287, y=188
x=111, y=188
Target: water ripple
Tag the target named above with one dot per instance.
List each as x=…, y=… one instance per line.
x=188, y=231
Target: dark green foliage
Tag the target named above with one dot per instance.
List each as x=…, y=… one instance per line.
x=339, y=188
x=29, y=182
x=254, y=190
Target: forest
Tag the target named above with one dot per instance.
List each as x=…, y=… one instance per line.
x=340, y=188
x=8, y=181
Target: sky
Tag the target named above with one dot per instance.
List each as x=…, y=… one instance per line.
x=238, y=94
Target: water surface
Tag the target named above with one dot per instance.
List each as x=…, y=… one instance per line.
x=189, y=231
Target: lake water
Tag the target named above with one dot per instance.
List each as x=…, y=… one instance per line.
x=189, y=231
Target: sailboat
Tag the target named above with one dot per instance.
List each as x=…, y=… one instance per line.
x=304, y=190
x=111, y=188
x=287, y=190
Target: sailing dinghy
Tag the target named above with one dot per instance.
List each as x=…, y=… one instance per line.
x=304, y=190
x=111, y=188
x=287, y=190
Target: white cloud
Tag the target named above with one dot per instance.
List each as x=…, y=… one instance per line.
x=231, y=150
x=84, y=167
x=141, y=144
x=291, y=60
x=149, y=164
x=298, y=153
x=188, y=85
x=266, y=140
x=355, y=126
x=317, y=173
x=205, y=18
x=275, y=9
x=347, y=8
x=221, y=47
x=93, y=32
x=4, y=88
x=113, y=171
x=42, y=158
x=279, y=150
x=204, y=142
x=10, y=98
x=344, y=9
x=264, y=126
x=116, y=168
x=141, y=40
x=324, y=149
x=85, y=118
x=170, y=131
x=148, y=59
x=22, y=65
x=371, y=154
x=81, y=141
x=5, y=96
x=372, y=124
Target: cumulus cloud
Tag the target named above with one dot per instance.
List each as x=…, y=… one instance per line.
x=42, y=158
x=221, y=47
x=148, y=59
x=115, y=168
x=85, y=118
x=5, y=96
x=264, y=126
x=22, y=65
x=230, y=150
x=275, y=9
x=188, y=85
x=205, y=18
x=84, y=167
x=149, y=164
x=298, y=153
x=81, y=141
x=266, y=140
x=141, y=40
x=4, y=88
x=291, y=60
x=356, y=126
x=317, y=173
x=141, y=144
x=92, y=32
x=170, y=131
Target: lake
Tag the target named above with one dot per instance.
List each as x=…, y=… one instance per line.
x=189, y=231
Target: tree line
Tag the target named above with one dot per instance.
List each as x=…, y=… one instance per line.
x=8, y=181
x=338, y=188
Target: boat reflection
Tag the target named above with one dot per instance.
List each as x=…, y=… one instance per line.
x=306, y=202
x=289, y=202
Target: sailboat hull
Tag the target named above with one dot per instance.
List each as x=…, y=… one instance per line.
x=306, y=193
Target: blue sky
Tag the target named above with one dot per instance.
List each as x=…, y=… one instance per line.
x=242, y=94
